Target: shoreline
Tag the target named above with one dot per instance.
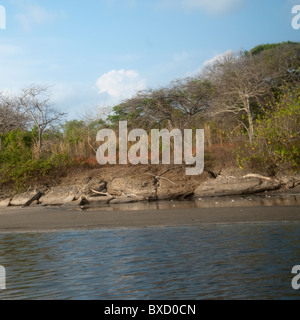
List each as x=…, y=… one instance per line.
x=46, y=219
x=106, y=199
x=96, y=191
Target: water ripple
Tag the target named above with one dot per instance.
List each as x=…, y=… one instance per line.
x=245, y=261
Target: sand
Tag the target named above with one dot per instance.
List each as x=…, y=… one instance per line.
x=49, y=219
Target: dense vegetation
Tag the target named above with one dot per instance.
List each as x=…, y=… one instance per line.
x=248, y=104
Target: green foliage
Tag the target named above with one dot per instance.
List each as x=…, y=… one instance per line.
x=185, y=103
x=120, y=114
x=33, y=170
x=16, y=147
x=263, y=47
x=72, y=130
x=276, y=143
x=126, y=111
x=17, y=164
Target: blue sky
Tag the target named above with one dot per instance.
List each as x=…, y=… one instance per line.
x=96, y=53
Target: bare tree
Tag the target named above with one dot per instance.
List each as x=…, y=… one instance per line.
x=243, y=82
x=36, y=103
x=11, y=117
x=239, y=84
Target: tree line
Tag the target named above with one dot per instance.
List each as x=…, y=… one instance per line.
x=249, y=100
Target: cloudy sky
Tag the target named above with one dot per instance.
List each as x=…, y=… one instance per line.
x=99, y=52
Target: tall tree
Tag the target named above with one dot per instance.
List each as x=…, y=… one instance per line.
x=11, y=117
x=245, y=81
x=36, y=103
x=190, y=97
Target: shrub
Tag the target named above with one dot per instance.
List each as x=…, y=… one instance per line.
x=276, y=142
x=17, y=165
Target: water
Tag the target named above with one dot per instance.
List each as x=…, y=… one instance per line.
x=241, y=261
x=208, y=202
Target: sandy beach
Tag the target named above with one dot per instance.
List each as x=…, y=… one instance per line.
x=50, y=219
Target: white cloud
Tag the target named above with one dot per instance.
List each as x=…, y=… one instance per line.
x=214, y=7
x=35, y=15
x=210, y=62
x=120, y=84
x=219, y=57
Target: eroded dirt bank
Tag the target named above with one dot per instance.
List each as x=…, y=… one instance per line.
x=123, y=184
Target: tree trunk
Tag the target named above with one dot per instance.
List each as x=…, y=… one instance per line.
x=251, y=129
x=250, y=121
x=40, y=142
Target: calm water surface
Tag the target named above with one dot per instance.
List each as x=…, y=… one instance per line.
x=209, y=202
x=242, y=261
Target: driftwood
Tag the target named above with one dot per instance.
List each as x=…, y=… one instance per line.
x=129, y=195
x=159, y=177
x=101, y=193
x=258, y=176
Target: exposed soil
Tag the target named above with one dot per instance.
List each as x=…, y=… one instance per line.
x=170, y=179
